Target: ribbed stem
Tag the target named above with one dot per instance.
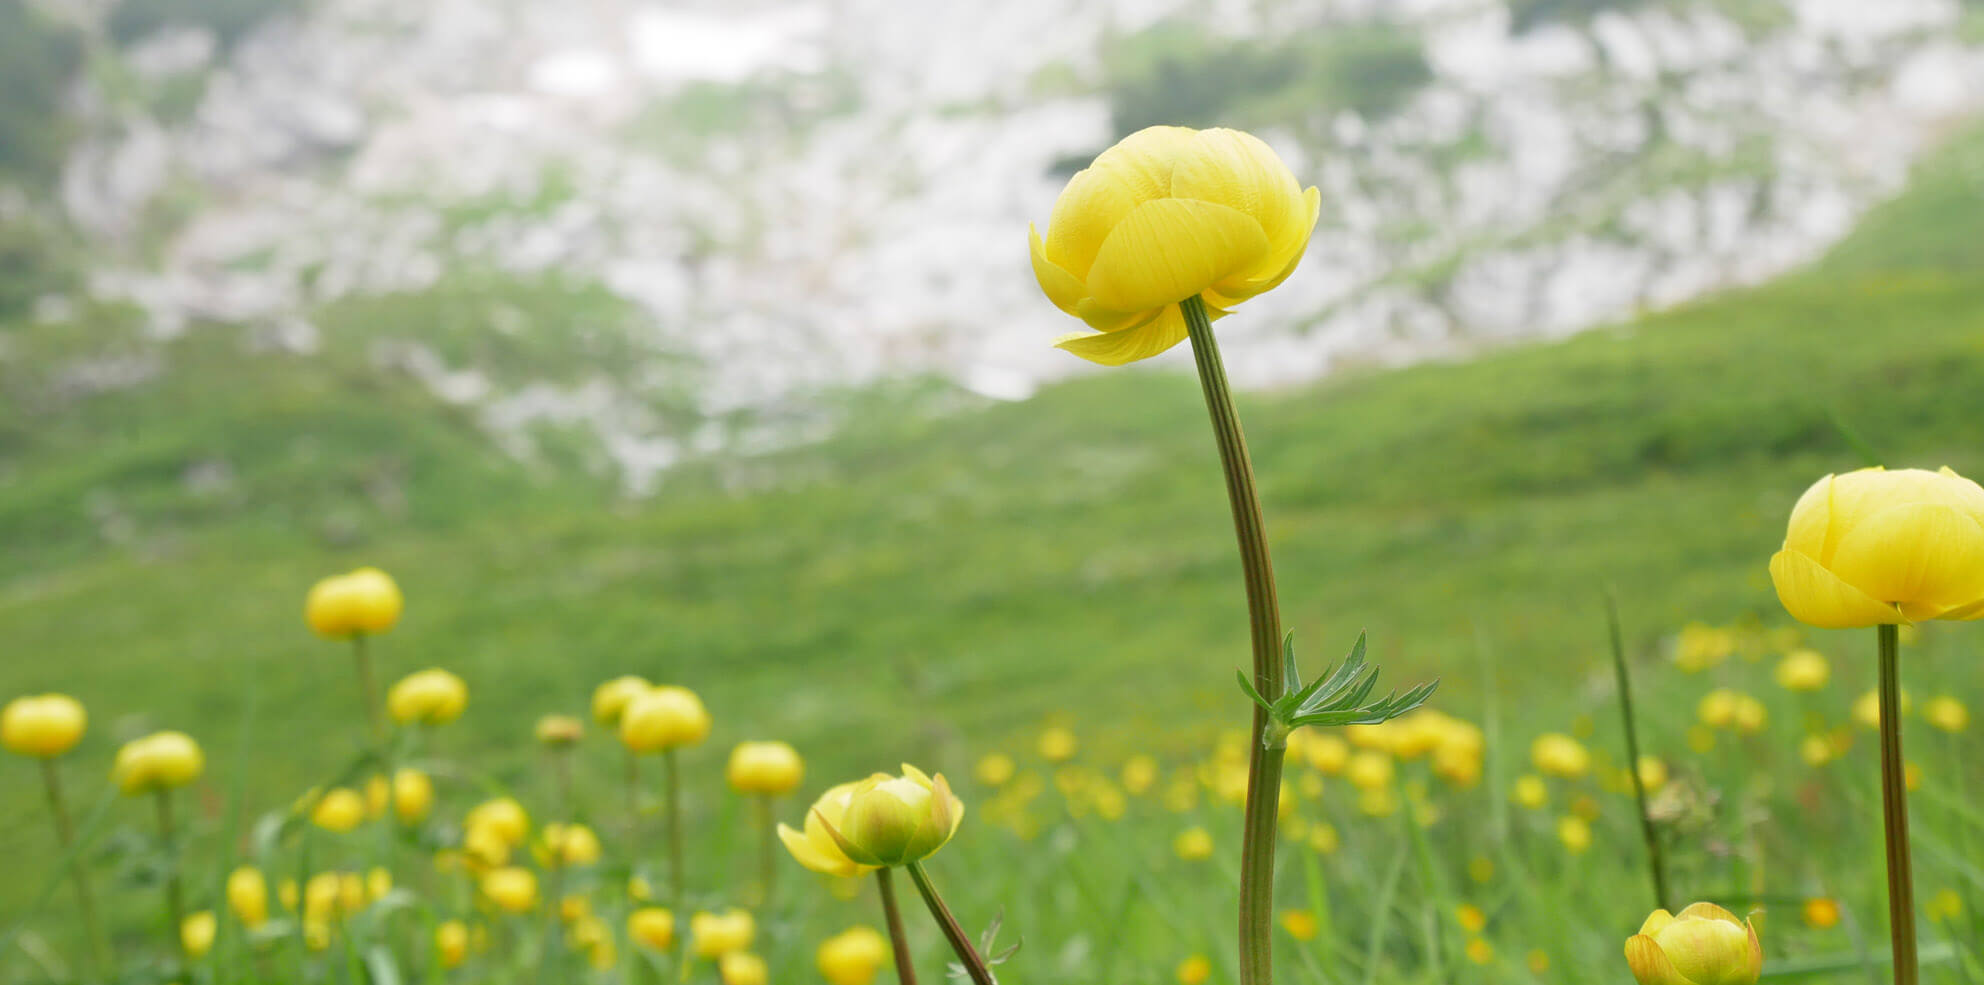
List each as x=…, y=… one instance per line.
x=1264, y=620
x=65, y=834
x=1894, y=811
x=1653, y=859
x=960, y=943
x=905, y=970
x=175, y=897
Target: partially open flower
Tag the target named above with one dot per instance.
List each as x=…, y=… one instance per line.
x=610, y=699
x=765, y=768
x=1702, y=945
x=1874, y=546
x=664, y=718
x=814, y=847
x=427, y=697
x=43, y=726
x=896, y=820
x=365, y=601
x=160, y=761
x=713, y=935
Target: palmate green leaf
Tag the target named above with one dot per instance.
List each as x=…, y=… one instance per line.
x=1336, y=698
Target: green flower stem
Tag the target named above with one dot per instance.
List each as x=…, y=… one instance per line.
x=1894, y=812
x=1264, y=617
x=672, y=786
x=175, y=897
x=1654, y=862
x=368, y=688
x=767, y=847
x=905, y=970
x=65, y=834
x=960, y=943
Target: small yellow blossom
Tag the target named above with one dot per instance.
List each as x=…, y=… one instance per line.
x=1821, y=912
x=1300, y=924
x=1194, y=970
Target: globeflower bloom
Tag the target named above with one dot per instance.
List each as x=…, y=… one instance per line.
x=363, y=602
x=652, y=927
x=1874, y=546
x=196, y=933
x=512, y=889
x=814, y=847
x=1557, y=754
x=765, y=768
x=559, y=731
x=714, y=935
x=742, y=968
x=160, y=761
x=664, y=718
x=1167, y=214
x=339, y=809
x=1803, y=670
x=248, y=896
x=853, y=956
x=896, y=820
x=1702, y=945
x=610, y=699
x=427, y=697
x=43, y=726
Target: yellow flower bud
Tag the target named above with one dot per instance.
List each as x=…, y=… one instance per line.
x=160, y=761
x=1557, y=754
x=1369, y=769
x=1470, y=917
x=363, y=601
x=664, y=718
x=1327, y=754
x=652, y=927
x=43, y=726
x=196, y=933
x=1875, y=546
x=853, y=956
x=558, y=731
x=1947, y=713
x=1750, y=715
x=339, y=809
x=1575, y=833
x=766, y=768
x=814, y=847
x=1803, y=670
x=713, y=935
x=378, y=882
x=741, y=968
x=1702, y=945
x=1057, y=744
x=610, y=699
x=502, y=817
x=1480, y=951
x=1530, y=791
x=1194, y=970
x=896, y=820
x=513, y=890
x=1169, y=213
x=427, y=697
x=1653, y=773
x=248, y=896
x=1140, y=774
x=1193, y=844
x=1300, y=924
x=569, y=845
x=411, y=798
x=994, y=769
x=451, y=942
x=1820, y=913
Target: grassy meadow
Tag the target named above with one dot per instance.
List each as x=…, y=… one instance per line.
x=945, y=578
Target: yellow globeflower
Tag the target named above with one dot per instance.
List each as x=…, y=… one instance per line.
x=248, y=896
x=610, y=699
x=196, y=933
x=160, y=761
x=1575, y=833
x=1820, y=913
x=363, y=601
x=1167, y=214
x=1947, y=713
x=1653, y=773
x=427, y=697
x=1057, y=744
x=1750, y=715
x=766, y=768
x=853, y=957
x=712, y=935
x=1557, y=754
x=1702, y=945
x=742, y=968
x=1193, y=844
x=1874, y=546
x=43, y=726
x=814, y=847
x=1300, y=924
x=896, y=820
x=1803, y=670
x=1480, y=951
x=378, y=882
x=1195, y=970
x=339, y=809
x=1530, y=791
x=569, y=845
x=451, y=942
x=1140, y=774
x=412, y=795
x=558, y=731
x=1327, y=753
x=652, y=927
x=502, y=817
x=994, y=769
x=664, y=718
x=1470, y=917
x=1369, y=770
x=512, y=889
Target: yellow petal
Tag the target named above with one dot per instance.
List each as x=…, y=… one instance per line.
x=1144, y=161
x=1756, y=951
x=1095, y=200
x=1130, y=345
x=1279, y=263
x=1167, y=250
x=1707, y=911
x=1060, y=286
x=1649, y=963
x=809, y=856
x=1811, y=517
x=1817, y=597
x=1238, y=170
x=1928, y=556
x=1656, y=920
x=1104, y=319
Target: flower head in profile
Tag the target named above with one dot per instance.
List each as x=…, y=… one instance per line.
x=1702, y=945
x=160, y=761
x=363, y=602
x=765, y=768
x=1169, y=213
x=896, y=820
x=427, y=697
x=1874, y=546
x=43, y=726
x=713, y=935
x=853, y=956
x=663, y=718
x=813, y=846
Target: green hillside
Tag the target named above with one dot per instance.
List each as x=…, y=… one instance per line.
x=920, y=579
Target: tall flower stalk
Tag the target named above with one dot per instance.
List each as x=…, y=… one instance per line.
x=892, y=915
x=1894, y=811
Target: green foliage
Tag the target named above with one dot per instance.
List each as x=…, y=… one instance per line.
x=132, y=20
x=37, y=59
x=36, y=258
x=1178, y=74
x=1933, y=228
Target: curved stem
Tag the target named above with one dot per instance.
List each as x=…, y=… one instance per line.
x=973, y=964
x=175, y=898
x=65, y=835
x=1652, y=839
x=905, y=971
x=1894, y=811
x=1264, y=621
